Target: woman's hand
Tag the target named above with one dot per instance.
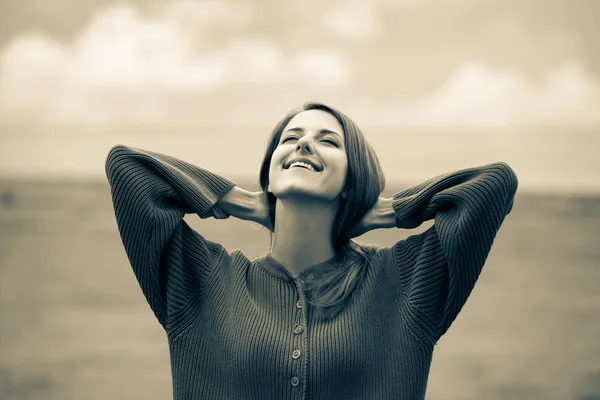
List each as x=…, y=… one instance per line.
x=380, y=216
x=361, y=227
x=245, y=205
x=261, y=213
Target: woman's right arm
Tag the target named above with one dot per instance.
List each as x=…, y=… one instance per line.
x=151, y=193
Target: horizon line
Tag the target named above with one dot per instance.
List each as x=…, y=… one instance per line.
x=527, y=189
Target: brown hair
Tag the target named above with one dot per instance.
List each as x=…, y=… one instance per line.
x=330, y=290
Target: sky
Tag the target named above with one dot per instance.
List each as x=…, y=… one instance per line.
x=435, y=85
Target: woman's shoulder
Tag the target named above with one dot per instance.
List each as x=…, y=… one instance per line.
x=369, y=249
x=372, y=253
x=230, y=262
x=236, y=256
x=401, y=253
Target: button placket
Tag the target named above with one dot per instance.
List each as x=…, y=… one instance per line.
x=297, y=370
x=300, y=342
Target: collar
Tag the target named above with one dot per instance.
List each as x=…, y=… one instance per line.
x=277, y=269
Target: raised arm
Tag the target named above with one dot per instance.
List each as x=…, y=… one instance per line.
x=151, y=193
x=440, y=266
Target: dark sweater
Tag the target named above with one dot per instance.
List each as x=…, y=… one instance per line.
x=242, y=329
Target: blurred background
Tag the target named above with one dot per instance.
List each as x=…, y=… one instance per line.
x=435, y=85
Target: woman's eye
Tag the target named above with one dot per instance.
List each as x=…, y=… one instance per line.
x=295, y=137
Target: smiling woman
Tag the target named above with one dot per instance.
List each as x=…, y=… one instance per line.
x=313, y=214
x=319, y=316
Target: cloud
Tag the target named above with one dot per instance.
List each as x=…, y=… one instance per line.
x=477, y=95
x=323, y=66
x=200, y=15
x=125, y=65
x=355, y=20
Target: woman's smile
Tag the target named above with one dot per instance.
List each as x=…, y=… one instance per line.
x=311, y=169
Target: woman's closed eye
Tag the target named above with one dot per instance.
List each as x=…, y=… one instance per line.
x=288, y=138
x=332, y=142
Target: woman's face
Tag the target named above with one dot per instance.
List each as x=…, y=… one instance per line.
x=317, y=137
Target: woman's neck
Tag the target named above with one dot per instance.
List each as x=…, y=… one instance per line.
x=302, y=236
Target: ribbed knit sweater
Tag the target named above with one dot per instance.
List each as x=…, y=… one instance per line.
x=243, y=329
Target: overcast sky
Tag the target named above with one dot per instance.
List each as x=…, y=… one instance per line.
x=435, y=85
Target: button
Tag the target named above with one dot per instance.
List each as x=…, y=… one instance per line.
x=300, y=303
x=298, y=329
x=296, y=354
x=295, y=381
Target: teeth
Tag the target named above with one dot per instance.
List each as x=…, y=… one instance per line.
x=302, y=164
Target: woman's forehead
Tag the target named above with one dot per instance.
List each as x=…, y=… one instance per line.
x=315, y=120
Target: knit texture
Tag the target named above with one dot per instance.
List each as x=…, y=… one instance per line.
x=243, y=329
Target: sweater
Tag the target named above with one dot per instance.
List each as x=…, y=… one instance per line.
x=242, y=329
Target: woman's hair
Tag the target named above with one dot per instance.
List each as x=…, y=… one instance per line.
x=330, y=289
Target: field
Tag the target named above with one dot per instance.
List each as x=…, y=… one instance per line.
x=74, y=324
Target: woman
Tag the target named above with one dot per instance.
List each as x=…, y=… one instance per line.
x=319, y=316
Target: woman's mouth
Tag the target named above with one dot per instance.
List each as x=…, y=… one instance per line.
x=302, y=164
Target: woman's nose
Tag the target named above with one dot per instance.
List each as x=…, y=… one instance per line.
x=304, y=144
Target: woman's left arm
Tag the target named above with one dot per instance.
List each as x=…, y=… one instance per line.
x=465, y=188
x=468, y=207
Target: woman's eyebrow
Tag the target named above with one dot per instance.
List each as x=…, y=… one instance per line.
x=321, y=131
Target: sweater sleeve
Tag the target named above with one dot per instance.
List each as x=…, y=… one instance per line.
x=151, y=193
x=439, y=267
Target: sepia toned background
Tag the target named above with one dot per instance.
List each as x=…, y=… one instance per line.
x=436, y=86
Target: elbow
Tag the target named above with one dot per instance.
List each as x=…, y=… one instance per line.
x=505, y=176
x=509, y=183
x=113, y=158
x=116, y=150
x=510, y=178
